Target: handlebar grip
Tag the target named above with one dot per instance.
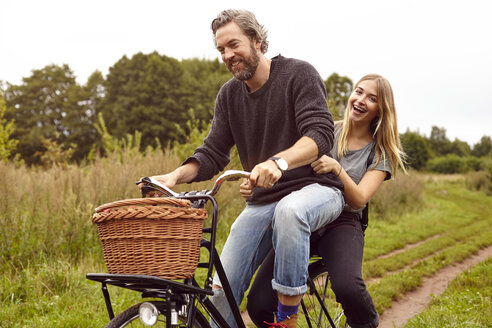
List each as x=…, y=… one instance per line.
x=152, y=184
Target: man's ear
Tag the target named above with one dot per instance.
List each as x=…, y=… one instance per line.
x=257, y=43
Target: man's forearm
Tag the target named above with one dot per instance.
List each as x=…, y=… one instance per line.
x=303, y=152
x=188, y=172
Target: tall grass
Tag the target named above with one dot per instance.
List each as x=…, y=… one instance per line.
x=45, y=217
x=48, y=242
x=397, y=196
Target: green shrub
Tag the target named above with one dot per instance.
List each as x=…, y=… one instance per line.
x=450, y=163
x=472, y=163
x=481, y=180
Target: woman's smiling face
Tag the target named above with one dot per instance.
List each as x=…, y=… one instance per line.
x=364, y=102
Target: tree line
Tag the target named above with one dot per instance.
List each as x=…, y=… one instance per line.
x=156, y=96
x=437, y=153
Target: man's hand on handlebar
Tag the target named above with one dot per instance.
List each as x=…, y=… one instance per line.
x=168, y=180
x=265, y=175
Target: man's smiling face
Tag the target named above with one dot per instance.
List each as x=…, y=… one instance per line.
x=239, y=53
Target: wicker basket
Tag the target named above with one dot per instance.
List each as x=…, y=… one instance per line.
x=151, y=236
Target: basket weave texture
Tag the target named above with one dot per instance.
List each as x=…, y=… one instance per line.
x=151, y=236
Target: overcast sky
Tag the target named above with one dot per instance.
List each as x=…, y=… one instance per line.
x=436, y=54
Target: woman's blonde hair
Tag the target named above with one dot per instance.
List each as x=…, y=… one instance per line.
x=384, y=127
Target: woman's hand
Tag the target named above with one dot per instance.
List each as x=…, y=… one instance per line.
x=246, y=188
x=326, y=164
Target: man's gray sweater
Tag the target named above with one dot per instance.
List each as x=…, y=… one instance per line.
x=291, y=104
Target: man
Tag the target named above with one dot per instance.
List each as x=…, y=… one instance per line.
x=275, y=112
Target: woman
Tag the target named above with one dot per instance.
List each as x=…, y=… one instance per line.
x=369, y=129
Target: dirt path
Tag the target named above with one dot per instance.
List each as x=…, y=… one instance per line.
x=415, y=302
x=407, y=247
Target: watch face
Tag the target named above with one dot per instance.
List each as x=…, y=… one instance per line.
x=282, y=164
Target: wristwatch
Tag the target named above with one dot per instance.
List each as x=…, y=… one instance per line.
x=281, y=163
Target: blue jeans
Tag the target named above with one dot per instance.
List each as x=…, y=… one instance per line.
x=287, y=223
x=341, y=248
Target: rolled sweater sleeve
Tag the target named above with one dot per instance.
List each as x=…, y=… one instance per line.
x=313, y=118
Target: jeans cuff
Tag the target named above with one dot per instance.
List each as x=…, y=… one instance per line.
x=289, y=291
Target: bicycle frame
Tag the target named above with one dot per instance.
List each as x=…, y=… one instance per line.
x=171, y=290
x=184, y=295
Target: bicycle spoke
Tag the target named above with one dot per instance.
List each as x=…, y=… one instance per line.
x=320, y=294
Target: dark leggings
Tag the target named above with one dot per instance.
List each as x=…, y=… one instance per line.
x=341, y=248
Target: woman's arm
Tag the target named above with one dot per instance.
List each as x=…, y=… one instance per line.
x=356, y=195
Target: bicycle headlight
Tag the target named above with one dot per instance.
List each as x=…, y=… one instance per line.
x=148, y=313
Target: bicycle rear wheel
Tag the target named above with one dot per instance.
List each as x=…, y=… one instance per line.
x=130, y=318
x=319, y=292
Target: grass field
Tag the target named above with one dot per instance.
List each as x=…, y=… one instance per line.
x=48, y=243
x=466, y=303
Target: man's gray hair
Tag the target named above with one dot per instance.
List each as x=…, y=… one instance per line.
x=246, y=21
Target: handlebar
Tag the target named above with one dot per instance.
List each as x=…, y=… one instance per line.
x=151, y=184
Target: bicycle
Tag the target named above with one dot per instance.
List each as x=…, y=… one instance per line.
x=185, y=303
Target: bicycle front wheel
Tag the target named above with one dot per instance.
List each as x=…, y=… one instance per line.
x=318, y=298
x=130, y=318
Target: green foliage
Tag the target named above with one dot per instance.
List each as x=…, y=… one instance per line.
x=7, y=144
x=37, y=106
x=81, y=108
x=460, y=148
x=338, y=90
x=128, y=146
x=473, y=163
x=145, y=93
x=450, y=163
x=154, y=93
x=55, y=154
x=438, y=154
x=193, y=133
x=50, y=105
x=438, y=141
x=163, y=99
x=198, y=131
x=483, y=148
x=204, y=79
x=149, y=93
x=453, y=163
x=417, y=149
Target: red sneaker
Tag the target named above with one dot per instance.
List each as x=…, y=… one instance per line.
x=290, y=322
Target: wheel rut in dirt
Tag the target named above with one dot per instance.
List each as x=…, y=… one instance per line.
x=416, y=301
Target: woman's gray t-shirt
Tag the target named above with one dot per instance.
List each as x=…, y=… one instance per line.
x=354, y=162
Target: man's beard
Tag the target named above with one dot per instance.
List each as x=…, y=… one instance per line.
x=250, y=65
